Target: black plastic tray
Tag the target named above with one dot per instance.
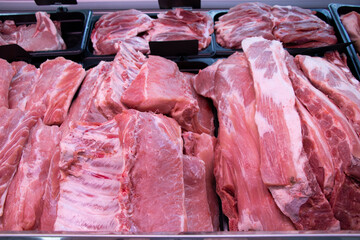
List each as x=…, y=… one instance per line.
x=74, y=30
x=206, y=53
x=323, y=14
x=336, y=11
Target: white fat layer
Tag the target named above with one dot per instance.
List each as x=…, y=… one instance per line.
x=278, y=89
x=262, y=124
x=247, y=223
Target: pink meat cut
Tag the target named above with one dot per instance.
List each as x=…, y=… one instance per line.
x=338, y=137
x=317, y=150
x=196, y=202
x=332, y=81
x=285, y=168
x=23, y=206
x=242, y=21
x=42, y=36
x=245, y=199
x=6, y=74
x=121, y=26
x=351, y=22
x=180, y=24
x=301, y=28
x=124, y=69
x=157, y=203
x=15, y=127
x=202, y=146
x=161, y=87
x=58, y=82
x=26, y=76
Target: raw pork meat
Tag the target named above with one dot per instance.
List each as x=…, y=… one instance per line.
x=83, y=108
x=285, y=168
x=125, y=67
x=42, y=36
x=317, y=151
x=245, y=199
x=351, y=22
x=121, y=26
x=301, y=28
x=196, y=202
x=15, y=126
x=23, y=206
x=26, y=76
x=339, y=137
x=332, y=81
x=161, y=87
x=202, y=146
x=242, y=21
x=6, y=74
x=157, y=203
x=58, y=82
x=180, y=24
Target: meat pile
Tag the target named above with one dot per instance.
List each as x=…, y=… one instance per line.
x=293, y=26
x=137, y=29
x=134, y=153
x=287, y=154
x=351, y=22
x=45, y=35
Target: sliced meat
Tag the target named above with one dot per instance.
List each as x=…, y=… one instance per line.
x=15, y=127
x=332, y=81
x=180, y=24
x=202, y=146
x=242, y=21
x=6, y=74
x=285, y=169
x=160, y=87
x=245, y=199
x=58, y=82
x=196, y=202
x=298, y=27
x=118, y=78
x=351, y=22
x=157, y=203
x=338, y=133
x=317, y=150
x=23, y=206
x=26, y=76
x=121, y=26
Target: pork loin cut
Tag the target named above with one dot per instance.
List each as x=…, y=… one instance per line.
x=6, y=74
x=245, y=199
x=161, y=87
x=15, y=126
x=24, y=203
x=58, y=82
x=180, y=24
x=202, y=146
x=25, y=78
x=351, y=22
x=121, y=26
x=285, y=168
x=301, y=28
x=157, y=203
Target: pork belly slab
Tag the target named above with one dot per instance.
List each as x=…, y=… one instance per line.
x=245, y=199
x=15, y=126
x=24, y=202
x=6, y=74
x=110, y=180
x=285, y=168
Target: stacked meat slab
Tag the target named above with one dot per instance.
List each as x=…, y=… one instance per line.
x=288, y=145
